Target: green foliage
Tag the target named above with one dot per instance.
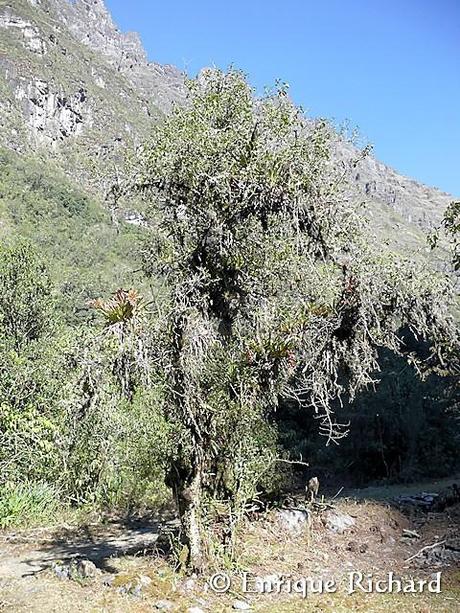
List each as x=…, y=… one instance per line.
x=27, y=503
x=270, y=294
x=452, y=228
x=274, y=289
x=70, y=413
x=121, y=308
x=86, y=254
x=117, y=447
x=405, y=429
x=30, y=365
x=25, y=300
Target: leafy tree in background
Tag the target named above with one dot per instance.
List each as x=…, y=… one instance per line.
x=450, y=230
x=30, y=367
x=25, y=300
x=272, y=289
x=76, y=419
x=451, y=223
x=404, y=429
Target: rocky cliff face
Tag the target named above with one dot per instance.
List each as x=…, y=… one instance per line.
x=408, y=200
x=91, y=24
x=73, y=86
x=69, y=77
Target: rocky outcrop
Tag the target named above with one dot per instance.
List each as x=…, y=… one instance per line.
x=29, y=34
x=336, y=521
x=91, y=24
x=53, y=115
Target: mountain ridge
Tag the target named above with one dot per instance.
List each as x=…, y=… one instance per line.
x=78, y=89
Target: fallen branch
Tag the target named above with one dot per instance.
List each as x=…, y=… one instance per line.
x=291, y=461
x=339, y=492
x=424, y=549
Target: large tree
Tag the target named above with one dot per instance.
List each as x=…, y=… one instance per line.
x=272, y=286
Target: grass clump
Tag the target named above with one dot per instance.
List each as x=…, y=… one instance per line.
x=28, y=503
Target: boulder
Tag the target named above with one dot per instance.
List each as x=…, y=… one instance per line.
x=85, y=569
x=337, y=522
x=293, y=519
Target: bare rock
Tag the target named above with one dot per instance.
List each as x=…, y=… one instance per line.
x=61, y=570
x=164, y=605
x=85, y=569
x=31, y=36
x=108, y=580
x=241, y=605
x=337, y=522
x=293, y=520
x=76, y=570
x=189, y=585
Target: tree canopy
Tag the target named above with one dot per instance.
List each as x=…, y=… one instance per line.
x=273, y=288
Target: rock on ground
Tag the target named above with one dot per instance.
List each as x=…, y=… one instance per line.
x=293, y=519
x=337, y=522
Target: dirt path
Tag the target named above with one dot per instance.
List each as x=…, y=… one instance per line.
x=27, y=553
x=389, y=492
x=124, y=552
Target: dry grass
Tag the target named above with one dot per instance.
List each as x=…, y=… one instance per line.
x=373, y=545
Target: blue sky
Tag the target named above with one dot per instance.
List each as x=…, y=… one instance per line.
x=391, y=68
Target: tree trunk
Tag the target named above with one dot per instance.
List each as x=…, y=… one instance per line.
x=189, y=493
x=189, y=477
x=191, y=521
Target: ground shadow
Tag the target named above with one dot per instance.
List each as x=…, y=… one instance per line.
x=101, y=544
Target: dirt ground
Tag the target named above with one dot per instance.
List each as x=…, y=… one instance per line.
x=133, y=575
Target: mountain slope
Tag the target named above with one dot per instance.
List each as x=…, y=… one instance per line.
x=74, y=88
x=71, y=84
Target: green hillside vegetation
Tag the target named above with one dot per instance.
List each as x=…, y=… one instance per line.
x=85, y=253
x=67, y=430
x=59, y=440
x=59, y=249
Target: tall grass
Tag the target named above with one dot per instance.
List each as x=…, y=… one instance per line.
x=27, y=504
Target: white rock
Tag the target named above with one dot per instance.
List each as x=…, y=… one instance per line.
x=144, y=580
x=293, y=519
x=60, y=570
x=241, y=605
x=164, y=605
x=189, y=585
x=337, y=522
